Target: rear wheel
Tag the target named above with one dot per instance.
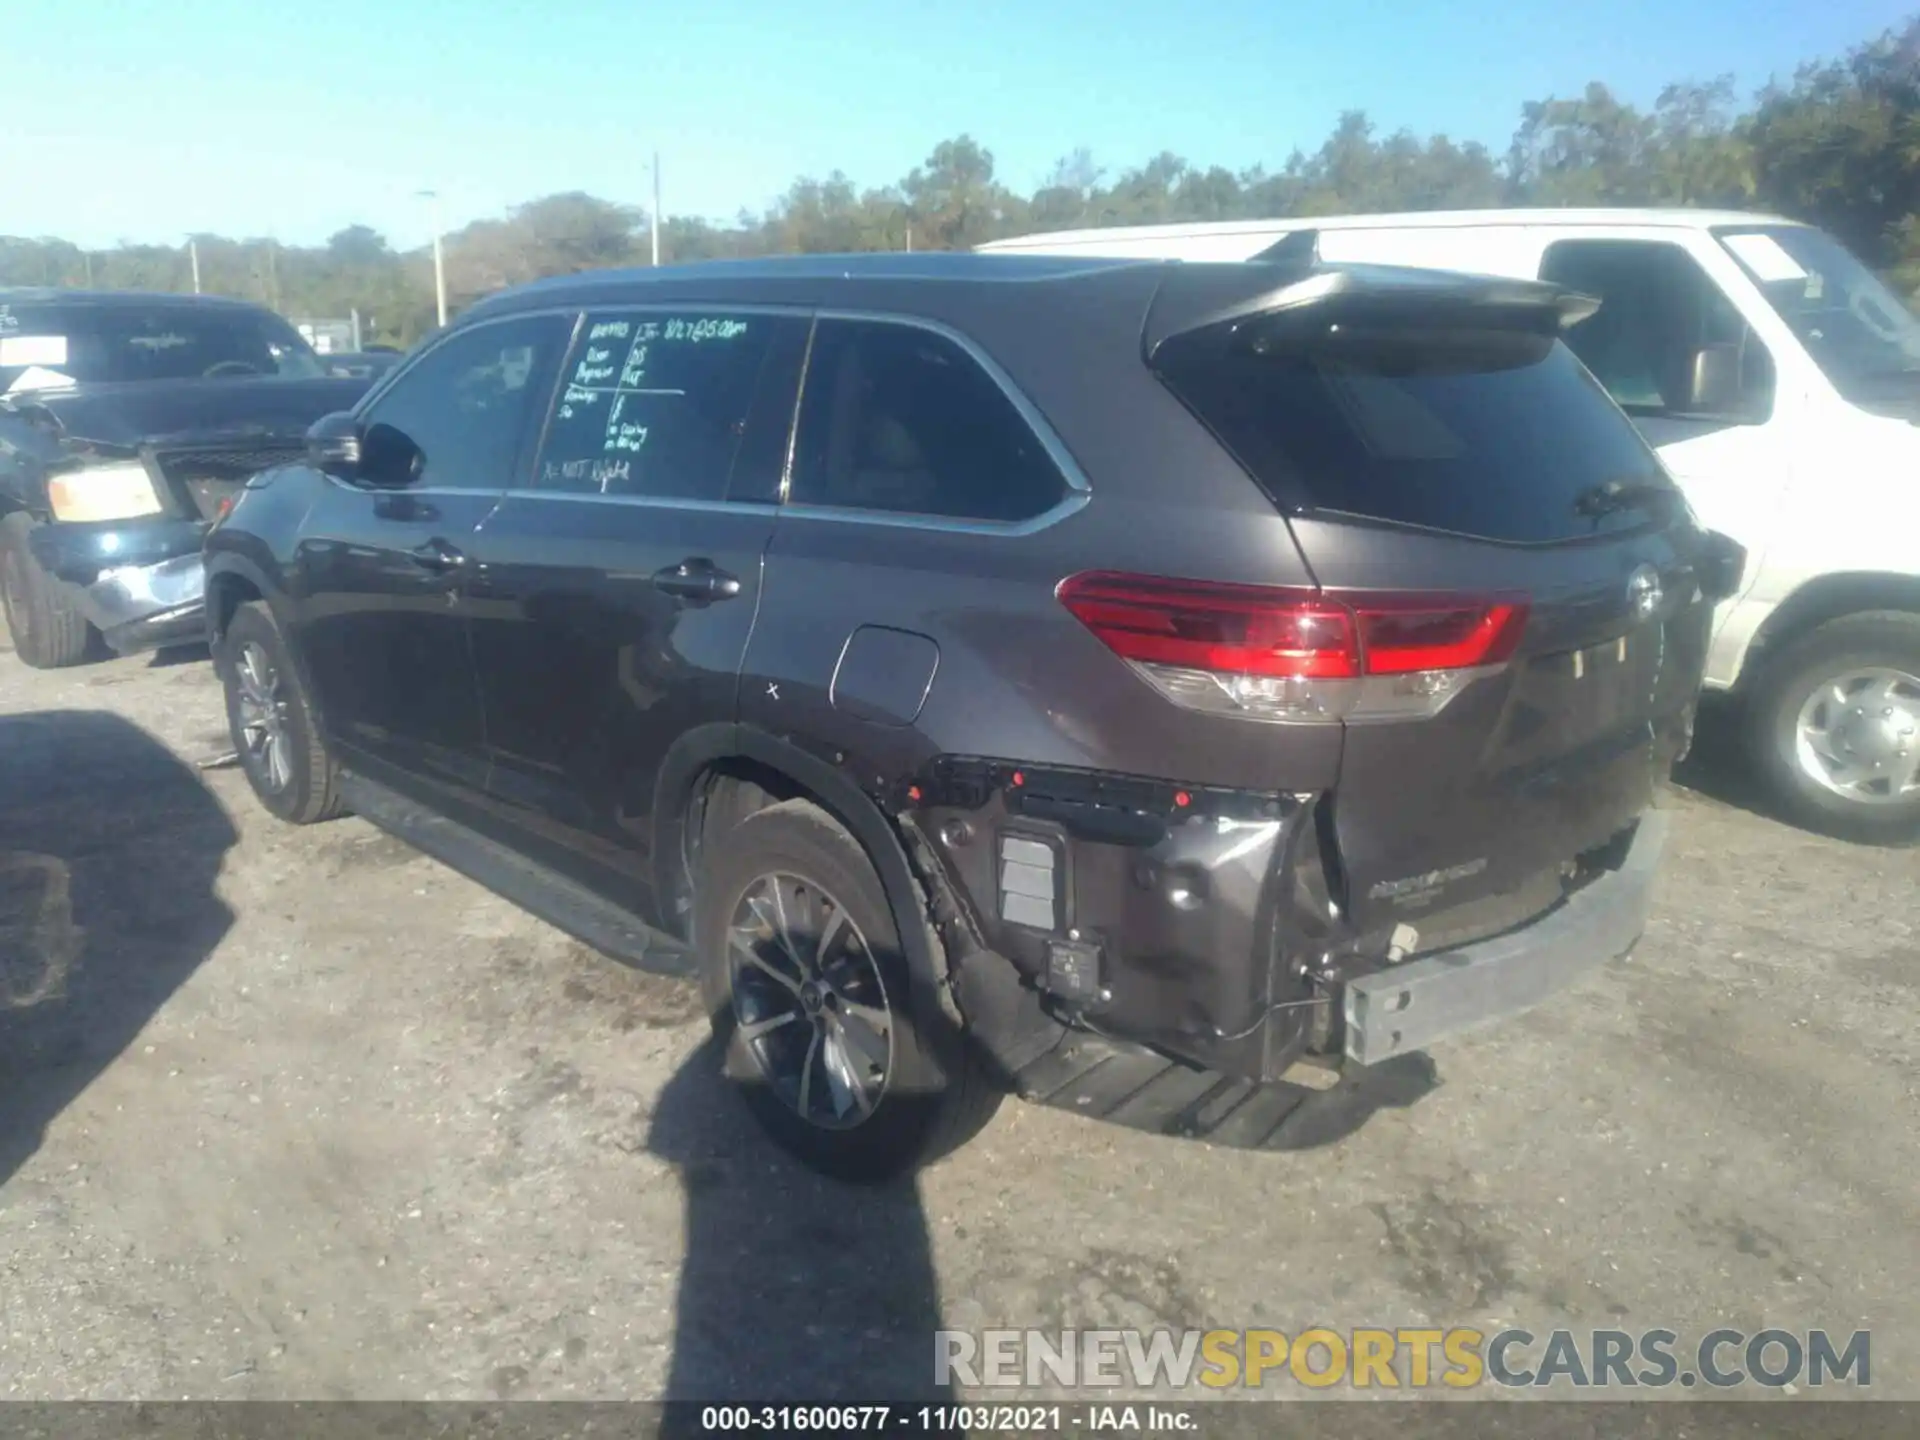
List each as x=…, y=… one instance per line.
x=841, y=1052
x=1836, y=727
x=43, y=615
x=271, y=721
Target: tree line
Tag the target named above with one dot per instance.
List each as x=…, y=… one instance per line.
x=1837, y=145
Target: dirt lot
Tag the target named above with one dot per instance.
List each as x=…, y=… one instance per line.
x=333, y=1122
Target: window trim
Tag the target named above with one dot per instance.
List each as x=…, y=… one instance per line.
x=1078, y=491
x=805, y=313
x=1679, y=244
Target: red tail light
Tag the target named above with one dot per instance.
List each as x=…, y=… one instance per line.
x=1245, y=629
x=1400, y=634
x=1296, y=654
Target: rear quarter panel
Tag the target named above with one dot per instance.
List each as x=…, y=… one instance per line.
x=1018, y=677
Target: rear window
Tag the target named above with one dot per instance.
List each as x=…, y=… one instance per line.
x=1491, y=433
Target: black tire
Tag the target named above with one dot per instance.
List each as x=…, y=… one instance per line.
x=1787, y=681
x=935, y=1093
x=43, y=614
x=302, y=787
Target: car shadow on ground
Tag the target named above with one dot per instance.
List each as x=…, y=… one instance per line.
x=1718, y=766
x=192, y=653
x=794, y=1287
x=1331, y=1116
x=109, y=850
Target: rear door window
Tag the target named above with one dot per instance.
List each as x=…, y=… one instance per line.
x=901, y=419
x=1498, y=434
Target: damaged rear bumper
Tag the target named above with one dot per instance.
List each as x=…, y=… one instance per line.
x=1411, y=1006
x=1187, y=921
x=141, y=583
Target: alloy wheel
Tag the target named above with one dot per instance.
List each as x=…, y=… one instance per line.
x=262, y=707
x=809, y=1001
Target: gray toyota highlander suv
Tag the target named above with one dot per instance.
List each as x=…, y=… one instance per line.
x=1154, y=688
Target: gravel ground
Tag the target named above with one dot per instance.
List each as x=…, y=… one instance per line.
x=313, y=1117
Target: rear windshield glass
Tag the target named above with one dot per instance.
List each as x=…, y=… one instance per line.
x=1497, y=434
x=48, y=347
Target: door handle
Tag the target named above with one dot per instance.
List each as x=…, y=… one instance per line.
x=697, y=579
x=437, y=555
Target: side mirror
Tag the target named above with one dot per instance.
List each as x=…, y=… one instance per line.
x=334, y=445
x=1718, y=383
x=1722, y=565
x=389, y=458
x=1713, y=380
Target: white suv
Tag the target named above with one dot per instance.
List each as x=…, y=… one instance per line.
x=1780, y=382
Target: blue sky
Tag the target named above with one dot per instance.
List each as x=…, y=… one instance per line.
x=147, y=120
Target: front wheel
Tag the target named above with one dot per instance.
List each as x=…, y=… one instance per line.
x=1835, y=727
x=271, y=721
x=840, y=1051
x=43, y=616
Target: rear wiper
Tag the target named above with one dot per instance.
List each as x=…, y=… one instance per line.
x=1616, y=495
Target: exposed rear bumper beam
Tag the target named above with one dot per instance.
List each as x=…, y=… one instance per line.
x=1409, y=1007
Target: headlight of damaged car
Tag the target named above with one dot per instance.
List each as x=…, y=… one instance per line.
x=103, y=492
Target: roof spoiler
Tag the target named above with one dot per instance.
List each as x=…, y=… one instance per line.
x=1201, y=297
x=1296, y=247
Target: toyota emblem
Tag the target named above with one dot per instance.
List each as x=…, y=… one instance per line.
x=1644, y=593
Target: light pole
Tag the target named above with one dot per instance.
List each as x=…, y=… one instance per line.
x=193, y=254
x=655, y=226
x=439, y=259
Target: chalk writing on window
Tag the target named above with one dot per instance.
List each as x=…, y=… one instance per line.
x=598, y=472
x=614, y=381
